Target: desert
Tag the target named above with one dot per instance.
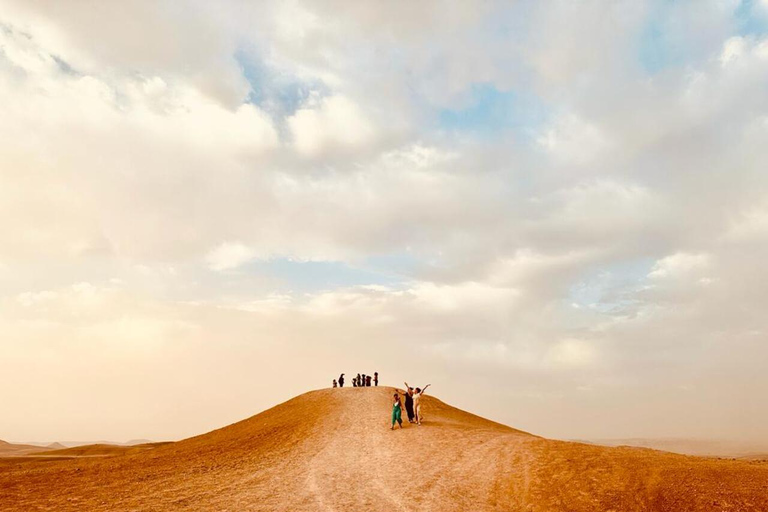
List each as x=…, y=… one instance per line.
x=331, y=450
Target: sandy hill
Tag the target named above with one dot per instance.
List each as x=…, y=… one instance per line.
x=700, y=447
x=99, y=450
x=332, y=450
x=18, y=450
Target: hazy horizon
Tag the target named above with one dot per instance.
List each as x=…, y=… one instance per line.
x=556, y=213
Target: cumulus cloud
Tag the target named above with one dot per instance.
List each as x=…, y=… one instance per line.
x=335, y=123
x=229, y=255
x=679, y=265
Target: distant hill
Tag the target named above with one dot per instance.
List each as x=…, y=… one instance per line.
x=72, y=444
x=17, y=450
x=755, y=457
x=134, y=442
x=332, y=450
x=699, y=447
x=100, y=450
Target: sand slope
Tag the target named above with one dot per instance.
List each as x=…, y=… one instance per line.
x=332, y=450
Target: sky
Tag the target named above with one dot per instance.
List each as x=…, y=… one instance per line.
x=556, y=213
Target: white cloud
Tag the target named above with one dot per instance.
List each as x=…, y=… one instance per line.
x=33, y=298
x=733, y=49
x=574, y=140
x=571, y=352
x=331, y=124
x=463, y=297
x=229, y=255
x=679, y=265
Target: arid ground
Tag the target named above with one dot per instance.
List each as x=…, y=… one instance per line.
x=332, y=450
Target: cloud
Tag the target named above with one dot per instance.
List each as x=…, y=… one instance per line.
x=750, y=224
x=336, y=123
x=571, y=352
x=573, y=140
x=679, y=265
x=229, y=255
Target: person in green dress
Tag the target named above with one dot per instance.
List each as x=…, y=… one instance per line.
x=397, y=411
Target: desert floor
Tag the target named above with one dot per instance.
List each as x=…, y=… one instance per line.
x=332, y=450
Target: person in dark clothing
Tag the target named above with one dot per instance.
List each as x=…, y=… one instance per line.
x=409, y=402
x=368, y=381
x=376, y=379
x=362, y=382
x=354, y=382
x=341, y=380
x=334, y=382
x=359, y=381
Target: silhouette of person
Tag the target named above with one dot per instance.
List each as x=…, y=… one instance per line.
x=341, y=380
x=409, y=402
x=334, y=382
x=376, y=379
x=368, y=380
x=397, y=411
x=359, y=381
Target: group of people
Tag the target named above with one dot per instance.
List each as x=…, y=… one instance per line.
x=412, y=398
x=412, y=405
x=361, y=381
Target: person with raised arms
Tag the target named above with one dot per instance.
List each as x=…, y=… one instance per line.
x=417, y=403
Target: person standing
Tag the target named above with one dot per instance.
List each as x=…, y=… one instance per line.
x=368, y=381
x=417, y=403
x=376, y=379
x=359, y=381
x=397, y=411
x=341, y=380
x=334, y=383
x=409, y=402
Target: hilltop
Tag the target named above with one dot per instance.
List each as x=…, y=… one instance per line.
x=332, y=450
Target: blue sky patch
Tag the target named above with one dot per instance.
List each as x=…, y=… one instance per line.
x=607, y=289
x=751, y=20
x=491, y=111
x=654, y=50
x=277, y=93
x=314, y=276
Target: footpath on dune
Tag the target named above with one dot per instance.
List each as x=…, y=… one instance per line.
x=332, y=450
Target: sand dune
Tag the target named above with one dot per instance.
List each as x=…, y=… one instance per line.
x=332, y=450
